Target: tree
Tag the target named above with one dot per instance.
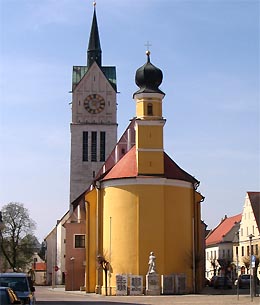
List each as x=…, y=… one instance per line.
x=104, y=264
x=18, y=243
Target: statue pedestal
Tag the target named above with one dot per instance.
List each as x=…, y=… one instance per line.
x=152, y=284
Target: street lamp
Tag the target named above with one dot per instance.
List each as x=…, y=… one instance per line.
x=237, y=235
x=2, y=225
x=251, y=273
x=72, y=259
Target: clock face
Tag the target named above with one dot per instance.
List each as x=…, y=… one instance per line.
x=94, y=103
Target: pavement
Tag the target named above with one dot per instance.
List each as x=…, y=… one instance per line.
x=209, y=296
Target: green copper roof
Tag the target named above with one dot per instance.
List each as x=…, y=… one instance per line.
x=80, y=71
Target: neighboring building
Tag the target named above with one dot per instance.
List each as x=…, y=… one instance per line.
x=38, y=270
x=51, y=252
x=249, y=227
x=219, y=247
x=55, y=243
x=145, y=203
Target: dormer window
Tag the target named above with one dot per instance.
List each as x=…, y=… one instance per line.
x=150, y=109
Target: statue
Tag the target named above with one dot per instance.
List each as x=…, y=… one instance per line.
x=151, y=263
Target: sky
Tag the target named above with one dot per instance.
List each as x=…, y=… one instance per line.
x=208, y=51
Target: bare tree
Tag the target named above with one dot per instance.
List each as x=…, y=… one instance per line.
x=17, y=240
x=104, y=264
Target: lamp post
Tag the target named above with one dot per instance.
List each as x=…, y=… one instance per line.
x=251, y=273
x=72, y=268
x=237, y=235
x=2, y=225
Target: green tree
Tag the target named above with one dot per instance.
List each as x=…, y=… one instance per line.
x=18, y=243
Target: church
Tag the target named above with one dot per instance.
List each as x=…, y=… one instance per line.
x=128, y=198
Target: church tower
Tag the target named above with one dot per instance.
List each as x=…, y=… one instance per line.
x=149, y=120
x=94, y=115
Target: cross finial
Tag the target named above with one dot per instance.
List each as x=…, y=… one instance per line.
x=148, y=44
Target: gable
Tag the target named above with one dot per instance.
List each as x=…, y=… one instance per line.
x=254, y=198
x=79, y=72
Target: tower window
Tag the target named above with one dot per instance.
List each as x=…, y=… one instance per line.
x=150, y=109
x=93, y=146
x=85, y=146
x=102, y=146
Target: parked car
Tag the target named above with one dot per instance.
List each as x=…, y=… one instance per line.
x=222, y=282
x=21, y=284
x=8, y=296
x=244, y=281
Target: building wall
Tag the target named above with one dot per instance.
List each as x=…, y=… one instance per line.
x=91, y=247
x=248, y=226
x=51, y=253
x=60, y=261
x=145, y=215
x=75, y=257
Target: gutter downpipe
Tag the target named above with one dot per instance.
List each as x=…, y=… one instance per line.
x=110, y=248
x=194, y=236
x=193, y=244
x=193, y=256
x=87, y=252
x=97, y=186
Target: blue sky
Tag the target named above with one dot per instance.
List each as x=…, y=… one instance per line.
x=208, y=51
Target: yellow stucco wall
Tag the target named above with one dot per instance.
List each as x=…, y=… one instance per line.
x=141, y=107
x=150, y=162
x=91, y=240
x=149, y=137
x=139, y=219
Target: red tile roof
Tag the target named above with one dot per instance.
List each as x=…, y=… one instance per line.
x=39, y=266
x=218, y=234
x=126, y=167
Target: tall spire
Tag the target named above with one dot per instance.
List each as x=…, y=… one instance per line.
x=94, y=47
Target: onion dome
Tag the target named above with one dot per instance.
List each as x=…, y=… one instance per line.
x=148, y=78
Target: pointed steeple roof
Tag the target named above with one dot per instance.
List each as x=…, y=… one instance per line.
x=94, y=47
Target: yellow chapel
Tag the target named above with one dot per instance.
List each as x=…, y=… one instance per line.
x=144, y=203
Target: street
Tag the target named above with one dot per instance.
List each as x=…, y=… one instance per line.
x=57, y=296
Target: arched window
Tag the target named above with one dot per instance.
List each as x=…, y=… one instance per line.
x=150, y=109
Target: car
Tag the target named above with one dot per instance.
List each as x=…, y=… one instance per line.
x=8, y=296
x=222, y=282
x=244, y=281
x=21, y=284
